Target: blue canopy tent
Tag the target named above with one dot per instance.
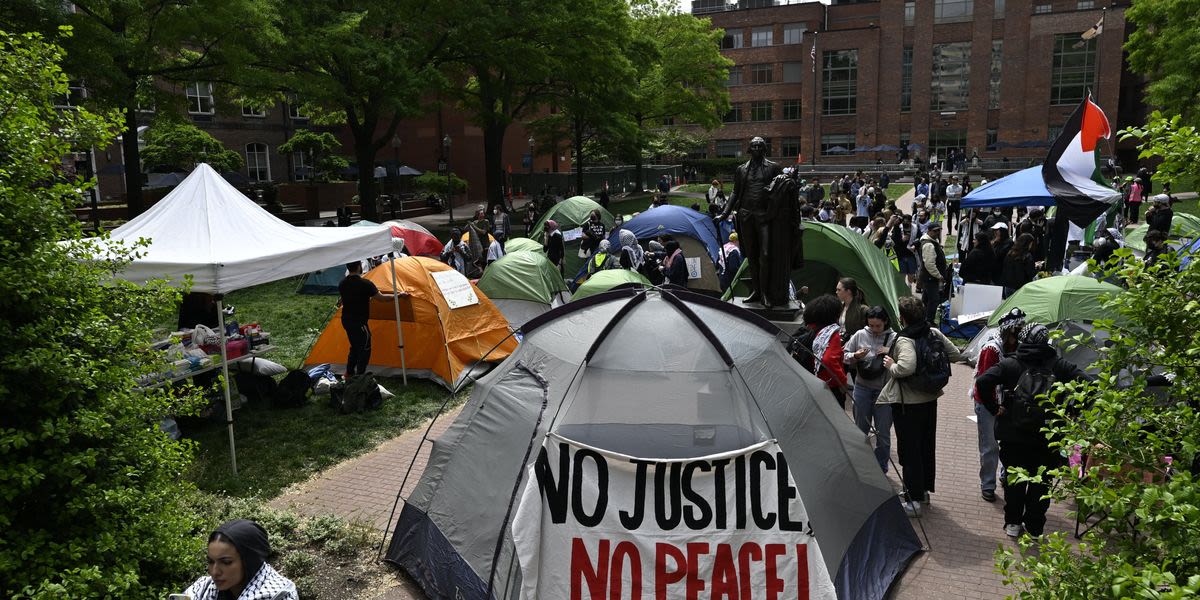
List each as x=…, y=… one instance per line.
x=1023, y=188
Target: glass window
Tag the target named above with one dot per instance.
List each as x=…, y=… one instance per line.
x=792, y=72
x=76, y=93
x=1074, y=68
x=793, y=33
x=729, y=148
x=1085, y=5
x=789, y=146
x=837, y=144
x=994, y=82
x=294, y=110
x=760, y=110
x=253, y=111
x=951, y=76
x=906, y=73
x=791, y=110
x=735, y=76
x=734, y=115
x=910, y=13
x=732, y=39
x=952, y=11
x=839, y=82
x=200, y=98
x=1041, y=9
x=942, y=140
x=762, y=36
x=998, y=9
x=762, y=73
x=258, y=165
x=300, y=166
x=992, y=137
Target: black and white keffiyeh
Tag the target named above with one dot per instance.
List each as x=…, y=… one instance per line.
x=267, y=584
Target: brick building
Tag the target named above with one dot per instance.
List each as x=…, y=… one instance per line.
x=999, y=77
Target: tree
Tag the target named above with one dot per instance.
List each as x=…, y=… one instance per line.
x=365, y=63
x=173, y=145
x=90, y=489
x=1164, y=46
x=681, y=74
x=440, y=184
x=121, y=48
x=321, y=150
x=1166, y=138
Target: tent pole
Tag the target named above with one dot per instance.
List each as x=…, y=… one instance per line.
x=396, y=307
x=225, y=382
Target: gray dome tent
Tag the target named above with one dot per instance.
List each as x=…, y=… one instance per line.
x=671, y=375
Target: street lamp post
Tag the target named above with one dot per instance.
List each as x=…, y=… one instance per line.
x=396, y=176
x=529, y=180
x=449, y=189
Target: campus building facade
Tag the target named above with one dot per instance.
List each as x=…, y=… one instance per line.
x=995, y=77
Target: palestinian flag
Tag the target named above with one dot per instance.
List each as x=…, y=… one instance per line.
x=1072, y=168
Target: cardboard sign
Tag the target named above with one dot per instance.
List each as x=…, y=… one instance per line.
x=571, y=235
x=595, y=524
x=455, y=288
x=693, y=267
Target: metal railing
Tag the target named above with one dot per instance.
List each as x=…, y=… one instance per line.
x=702, y=7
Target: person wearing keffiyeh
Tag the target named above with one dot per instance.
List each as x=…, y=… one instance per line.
x=632, y=255
x=238, y=569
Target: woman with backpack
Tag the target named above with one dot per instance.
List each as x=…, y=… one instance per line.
x=918, y=368
x=865, y=352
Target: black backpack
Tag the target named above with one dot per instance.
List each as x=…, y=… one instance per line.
x=1024, y=409
x=874, y=369
x=357, y=395
x=256, y=388
x=933, y=365
x=293, y=391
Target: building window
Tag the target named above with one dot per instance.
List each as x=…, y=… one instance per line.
x=839, y=82
x=762, y=36
x=258, y=165
x=762, y=73
x=837, y=144
x=910, y=13
x=789, y=146
x=1052, y=133
x=735, y=76
x=906, y=72
x=1074, y=68
x=729, y=148
x=200, y=98
x=994, y=82
x=791, y=110
x=792, y=72
x=734, y=115
x=1041, y=9
x=952, y=11
x=1085, y=5
x=300, y=167
x=942, y=140
x=951, y=76
x=760, y=111
x=732, y=39
x=253, y=111
x=998, y=9
x=76, y=94
x=294, y=110
x=992, y=137
x=793, y=33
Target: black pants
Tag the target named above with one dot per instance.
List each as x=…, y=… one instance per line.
x=916, y=434
x=1131, y=211
x=359, y=336
x=1023, y=502
x=931, y=295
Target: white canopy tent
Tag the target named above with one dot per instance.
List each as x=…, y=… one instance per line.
x=206, y=228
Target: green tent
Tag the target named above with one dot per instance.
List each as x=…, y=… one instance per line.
x=602, y=281
x=522, y=244
x=833, y=251
x=1059, y=298
x=523, y=285
x=1183, y=226
x=569, y=214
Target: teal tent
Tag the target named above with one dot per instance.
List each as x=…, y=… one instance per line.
x=325, y=281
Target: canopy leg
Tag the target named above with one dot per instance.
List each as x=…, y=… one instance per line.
x=225, y=383
x=396, y=307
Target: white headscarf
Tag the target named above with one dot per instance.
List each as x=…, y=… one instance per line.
x=629, y=242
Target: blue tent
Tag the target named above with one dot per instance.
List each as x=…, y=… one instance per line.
x=672, y=220
x=1023, y=188
x=326, y=281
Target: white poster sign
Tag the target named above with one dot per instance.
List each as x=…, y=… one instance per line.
x=455, y=288
x=594, y=524
x=571, y=235
x=693, y=267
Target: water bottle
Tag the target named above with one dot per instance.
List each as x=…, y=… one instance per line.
x=957, y=281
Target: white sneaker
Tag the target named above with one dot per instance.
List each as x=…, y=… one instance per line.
x=1012, y=530
x=912, y=509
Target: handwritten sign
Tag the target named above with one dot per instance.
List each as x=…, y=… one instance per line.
x=455, y=288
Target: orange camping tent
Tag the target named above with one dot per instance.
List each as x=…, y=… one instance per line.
x=440, y=342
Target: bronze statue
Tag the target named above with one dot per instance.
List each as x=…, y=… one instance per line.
x=767, y=225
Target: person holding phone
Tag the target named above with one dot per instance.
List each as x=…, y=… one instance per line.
x=238, y=569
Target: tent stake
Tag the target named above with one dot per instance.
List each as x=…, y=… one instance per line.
x=396, y=306
x=225, y=382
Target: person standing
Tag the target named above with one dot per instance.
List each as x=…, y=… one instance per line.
x=914, y=411
x=1159, y=217
x=933, y=270
x=977, y=266
x=716, y=198
x=356, y=296
x=1002, y=342
x=552, y=244
x=854, y=308
x=1029, y=372
x=501, y=224
x=818, y=348
x=531, y=216
x=674, y=266
x=456, y=252
x=1133, y=205
x=954, y=196
x=865, y=351
x=593, y=231
x=732, y=260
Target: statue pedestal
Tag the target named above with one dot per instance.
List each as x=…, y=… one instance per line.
x=786, y=318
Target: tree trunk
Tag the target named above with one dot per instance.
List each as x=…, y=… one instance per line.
x=133, y=162
x=364, y=155
x=493, y=167
x=579, y=157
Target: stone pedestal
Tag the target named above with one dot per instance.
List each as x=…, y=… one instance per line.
x=788, y=318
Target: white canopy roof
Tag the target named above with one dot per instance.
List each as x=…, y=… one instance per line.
x=208, y=229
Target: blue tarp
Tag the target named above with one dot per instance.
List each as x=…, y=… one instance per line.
x=672, y=220
x=1023, y=188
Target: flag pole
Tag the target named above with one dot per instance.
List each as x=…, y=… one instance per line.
x=812, y=159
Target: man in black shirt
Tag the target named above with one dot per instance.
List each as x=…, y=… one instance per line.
x=357, y=294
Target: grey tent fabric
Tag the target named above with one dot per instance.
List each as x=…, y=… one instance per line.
x=586, y=371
